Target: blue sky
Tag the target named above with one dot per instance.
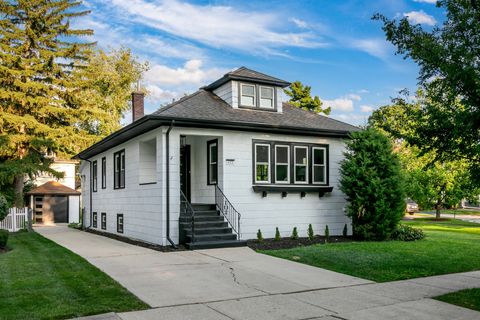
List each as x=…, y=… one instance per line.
x=331, y=45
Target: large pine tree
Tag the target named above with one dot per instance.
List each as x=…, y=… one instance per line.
x=43, y=108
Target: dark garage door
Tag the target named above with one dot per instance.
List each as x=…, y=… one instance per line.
x=55, y=209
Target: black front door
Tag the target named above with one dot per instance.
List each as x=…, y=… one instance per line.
x=185, y=170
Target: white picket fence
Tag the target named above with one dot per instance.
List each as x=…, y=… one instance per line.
x=16, y=219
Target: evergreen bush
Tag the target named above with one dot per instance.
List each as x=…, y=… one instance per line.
x=311, y=234
x=259, y=235
x=294, y=235
x=407, y=233
x=345, y=230
x=3, y=207
x=327, y=233
x=372, y=179
x=3, y=238
x=277, y=234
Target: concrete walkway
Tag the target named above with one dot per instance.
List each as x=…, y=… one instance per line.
x=237, y=283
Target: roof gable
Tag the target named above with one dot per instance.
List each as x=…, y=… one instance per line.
x=53, y=187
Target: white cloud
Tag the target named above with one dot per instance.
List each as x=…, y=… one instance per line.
x=215, y=25
x=343, y=104
x=353, y=96
x=366, y=108
x=427, y=1
x=375, y=47
x=191, y=73
x=299, y=23
x=363, y=91
x=420, y=17
x=155, y=93
x=355, y=119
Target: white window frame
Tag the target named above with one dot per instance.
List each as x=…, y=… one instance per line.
x=254, y=95
x=295, y=165
x=268, y=163
x=211, y=163
x=324, y=165
x=287, y=163
x=260, y=97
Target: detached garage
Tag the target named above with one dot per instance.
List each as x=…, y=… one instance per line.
x=53, y=202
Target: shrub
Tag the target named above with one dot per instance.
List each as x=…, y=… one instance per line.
x=294, y=235
x=407, y=233
x=259, y=235
x=311, y=234
x=327, y=233
x=3, y=207
x=345, y=230
x=372, y=179
x=3, y=238
x=277, y=234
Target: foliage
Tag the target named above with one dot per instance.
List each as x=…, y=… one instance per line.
x=430, y=182
x=3, y=207
x=407, y=233
x=311, y=234
x=75, y=225
x=301, y=97
x=345, y=230
x=450, y=246
x=58, y=95
x=3, y=238
x=294, y=235
x=277, y=235
x=467, y=298
x=449, y=113
x=327, y=233
x=372, y=180
x=259, y=235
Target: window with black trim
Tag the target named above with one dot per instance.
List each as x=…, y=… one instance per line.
x=120, y=223
x=319, y=165
x=282, y=163
x=94, y=175
x=94, y=218
x=104, y=221
x=300, y=174
x=262, y=163
x=212, y=161
x=289, y=163
x=119, y=170
x=104, y=173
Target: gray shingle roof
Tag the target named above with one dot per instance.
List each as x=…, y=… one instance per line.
x=245, y=74
x=205, y=105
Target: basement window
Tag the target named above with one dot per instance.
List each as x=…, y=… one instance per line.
x=104, y=221
x=94, y=218
x=120, y=223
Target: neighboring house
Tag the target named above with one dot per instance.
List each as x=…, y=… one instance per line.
x=232, y=154
x=55, y=200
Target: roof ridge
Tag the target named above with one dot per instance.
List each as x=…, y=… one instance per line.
x=168, y=106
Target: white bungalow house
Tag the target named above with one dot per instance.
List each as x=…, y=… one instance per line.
x=212, y=168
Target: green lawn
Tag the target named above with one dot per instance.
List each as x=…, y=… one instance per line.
x=457, y=212
x=42, y=280
x=469, y=298
x=450, y=246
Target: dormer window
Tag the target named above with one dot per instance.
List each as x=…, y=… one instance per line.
x=266, y=97
x=247, y=94
x=257, y=96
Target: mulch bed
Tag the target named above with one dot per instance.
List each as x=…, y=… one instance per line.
x=287, y=243
x=137, y=242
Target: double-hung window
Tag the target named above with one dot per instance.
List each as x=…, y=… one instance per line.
x=301, y=164
x=212, y=160
x=247, y=95
x=282, y=163
x=119, y=169
x=266, y=97
x=94, y=175
x=262, y=163
x=104, y=173
x=319, y=165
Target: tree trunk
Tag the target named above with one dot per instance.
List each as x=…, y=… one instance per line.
x=19, y=181
x=438, y=206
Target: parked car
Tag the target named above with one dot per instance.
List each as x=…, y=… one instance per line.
x=412, y=206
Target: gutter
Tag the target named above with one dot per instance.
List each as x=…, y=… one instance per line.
x=167, y=154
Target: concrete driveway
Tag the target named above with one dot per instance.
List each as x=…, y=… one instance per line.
x=237, y=283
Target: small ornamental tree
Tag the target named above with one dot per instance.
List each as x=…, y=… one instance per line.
x=277, y=234
x=294, y=235
x=327, y=233
x=311, y=234
x=372, y=180
x=259, y=235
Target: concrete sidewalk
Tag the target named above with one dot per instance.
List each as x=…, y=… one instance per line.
x=237, y=283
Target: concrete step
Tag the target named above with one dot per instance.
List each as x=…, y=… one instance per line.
x=204, y=224
x=216, y=244
x=199, y=230
x=212, y=237
x=202, y=206
x=216, y=218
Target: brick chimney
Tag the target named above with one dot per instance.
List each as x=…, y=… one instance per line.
x=137, y=105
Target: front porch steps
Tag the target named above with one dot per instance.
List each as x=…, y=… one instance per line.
x=211, y=229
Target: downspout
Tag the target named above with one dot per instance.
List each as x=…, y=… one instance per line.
x=167, y=153
x=91, y=194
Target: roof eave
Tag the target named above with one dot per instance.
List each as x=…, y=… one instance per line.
x=229, y=77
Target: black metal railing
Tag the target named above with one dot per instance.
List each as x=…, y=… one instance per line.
x=186, y=210
x=225, y=207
